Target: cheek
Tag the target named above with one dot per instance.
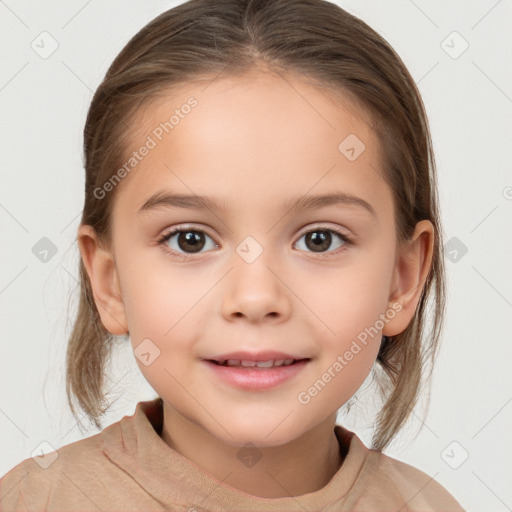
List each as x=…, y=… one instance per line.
x=162, y=340
x=347, y=301
x=163, y=315
x=337, y=377
x=156, y=297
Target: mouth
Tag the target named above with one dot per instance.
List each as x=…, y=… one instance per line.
x=256, y=374
x=257, y=365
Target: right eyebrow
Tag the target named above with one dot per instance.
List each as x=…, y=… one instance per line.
x=165, y=199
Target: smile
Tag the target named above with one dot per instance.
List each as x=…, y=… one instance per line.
x=255, y=375
x=272, y=363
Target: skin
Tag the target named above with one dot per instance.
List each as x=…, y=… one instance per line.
x=253, y=142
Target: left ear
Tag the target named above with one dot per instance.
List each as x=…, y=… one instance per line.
x=412, y=265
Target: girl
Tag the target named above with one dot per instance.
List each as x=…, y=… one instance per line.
x=261, y=219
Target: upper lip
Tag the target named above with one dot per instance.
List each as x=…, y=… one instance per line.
x=265, y=355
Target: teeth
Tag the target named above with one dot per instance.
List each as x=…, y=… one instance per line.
x=259, y=364
x=265, y=364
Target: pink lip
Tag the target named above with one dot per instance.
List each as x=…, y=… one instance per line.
x=256, y=379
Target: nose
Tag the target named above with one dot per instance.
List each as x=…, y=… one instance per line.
x=256, y=292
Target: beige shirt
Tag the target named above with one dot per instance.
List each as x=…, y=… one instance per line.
x=128, y=467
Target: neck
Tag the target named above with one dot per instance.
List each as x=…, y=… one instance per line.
x=301, y=466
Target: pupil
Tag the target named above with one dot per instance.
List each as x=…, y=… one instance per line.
x=321, y=240
x=192, y=239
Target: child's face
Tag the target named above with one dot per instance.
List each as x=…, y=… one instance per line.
x=254, y=145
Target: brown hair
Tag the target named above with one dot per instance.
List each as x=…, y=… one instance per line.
x=330, y=47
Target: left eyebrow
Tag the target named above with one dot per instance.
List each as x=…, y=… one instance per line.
x=335, y=199
x=164, y=199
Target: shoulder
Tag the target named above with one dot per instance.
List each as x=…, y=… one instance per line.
x=389, y=480
x=95, y=473
x=29, y=485
x=77, y=476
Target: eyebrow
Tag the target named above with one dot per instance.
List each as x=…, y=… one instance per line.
x=164, y=199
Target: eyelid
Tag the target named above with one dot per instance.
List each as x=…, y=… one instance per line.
x=187, y=227
x=323, y=226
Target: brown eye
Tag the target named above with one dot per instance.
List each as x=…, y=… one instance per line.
x=321, y=240
x=318, y=241
x=186, y=241
x=190, y=241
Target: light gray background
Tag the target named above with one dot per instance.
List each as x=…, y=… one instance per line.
x=468, y=98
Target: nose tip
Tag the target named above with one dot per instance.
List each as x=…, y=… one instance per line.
x=255, y=292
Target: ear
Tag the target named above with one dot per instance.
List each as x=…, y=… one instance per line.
x=104, y=281
x=411, y=269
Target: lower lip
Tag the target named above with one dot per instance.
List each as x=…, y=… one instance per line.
x=252, y=379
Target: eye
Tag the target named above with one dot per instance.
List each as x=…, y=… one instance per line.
x=185, y=241
x=320, y=239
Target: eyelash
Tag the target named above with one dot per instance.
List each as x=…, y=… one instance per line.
x=185, y=256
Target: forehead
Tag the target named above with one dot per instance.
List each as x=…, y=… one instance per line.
x=261, y=135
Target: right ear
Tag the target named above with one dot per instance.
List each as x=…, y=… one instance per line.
x=104, y=280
